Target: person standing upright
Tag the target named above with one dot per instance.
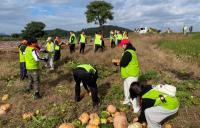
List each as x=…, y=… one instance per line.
x=98, y=42
x=32, y=65
x=112, y=39
x=22, y=48
x=72, y=42
x=82, y=42
x=50, y=49
x=130, y=72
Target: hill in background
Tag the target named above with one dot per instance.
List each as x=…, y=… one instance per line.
x=89, y=31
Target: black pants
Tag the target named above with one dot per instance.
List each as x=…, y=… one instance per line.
x=112, y=44
x=98, y=47
x=87, y=79
x=57, y=55
x=82, y=49
x=23, y=72
x=72, y=48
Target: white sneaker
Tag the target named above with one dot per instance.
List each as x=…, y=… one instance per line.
x=51, y=69
x=136, y=109
x=126, y=102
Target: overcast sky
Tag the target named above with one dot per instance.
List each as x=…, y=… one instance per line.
x=69, y=14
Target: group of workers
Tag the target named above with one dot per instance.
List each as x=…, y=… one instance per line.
x=154, y=105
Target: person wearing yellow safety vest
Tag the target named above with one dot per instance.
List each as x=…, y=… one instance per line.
x=130, y=71
x=57, y=43
x=157, y=103
x=98, y=42
x=82, y=41
x=22, y=48
x=50, y=49
x=125, y=35
x=32, y=65
x=112, y=39
x=119, y=37
x=72, y=42
x=88, y=75
x=115, y=35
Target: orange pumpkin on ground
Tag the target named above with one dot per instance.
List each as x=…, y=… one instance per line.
x=66, y=125
x=120, y=121
x=5, y=107
x=84, y=118
x=111, y=109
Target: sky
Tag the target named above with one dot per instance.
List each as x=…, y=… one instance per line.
x=69, y=14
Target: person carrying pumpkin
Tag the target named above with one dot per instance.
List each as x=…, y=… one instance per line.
x=32, y=65
x=130, y=71
x=157, y=102
x=88, y=75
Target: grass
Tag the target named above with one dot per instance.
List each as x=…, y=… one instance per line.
x=187, y=46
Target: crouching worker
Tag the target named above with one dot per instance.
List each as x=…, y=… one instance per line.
x=88, y=75
x=32, y=66
x=158, y=102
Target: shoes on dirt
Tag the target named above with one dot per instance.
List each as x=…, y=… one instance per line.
x=51, y=69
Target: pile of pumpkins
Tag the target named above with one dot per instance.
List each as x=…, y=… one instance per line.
x=110, y=118
x=4, y=108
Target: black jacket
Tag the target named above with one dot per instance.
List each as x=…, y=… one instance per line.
x=126, y=58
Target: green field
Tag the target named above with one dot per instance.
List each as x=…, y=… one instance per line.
x=187, y=46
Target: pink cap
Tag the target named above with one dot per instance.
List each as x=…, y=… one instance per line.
x=123, y=42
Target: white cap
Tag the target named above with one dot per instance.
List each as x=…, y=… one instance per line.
x=167, y=89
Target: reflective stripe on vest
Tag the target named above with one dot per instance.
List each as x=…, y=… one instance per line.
x=119, y=36
x=132, y=69
x=70, y=39
x=87, y=67
x=29, y=59
x=170, y=104
x=21, y=56
x=112, y=38
x=50, y=46
x=97, y=39
x=57, y=47
x=83, y=38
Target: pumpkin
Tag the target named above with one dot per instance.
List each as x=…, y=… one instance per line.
x=84, y=118
x=5, y=107
x=93, y=116
x=116, y=114
x=103, y=121
x=110, y=120
x=95, y=121
x=104, y=114
x=5, y=97
x=27, y=116
x=116, y=61
x=2, y=112
x=135, y=119
x=77, y=123
x=111, y=109
x=120, y=121
x=135, y=125
x=66, y=125
x=92, y=126
x=168, y=126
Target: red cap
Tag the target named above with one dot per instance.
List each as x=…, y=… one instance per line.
x=123, y=42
